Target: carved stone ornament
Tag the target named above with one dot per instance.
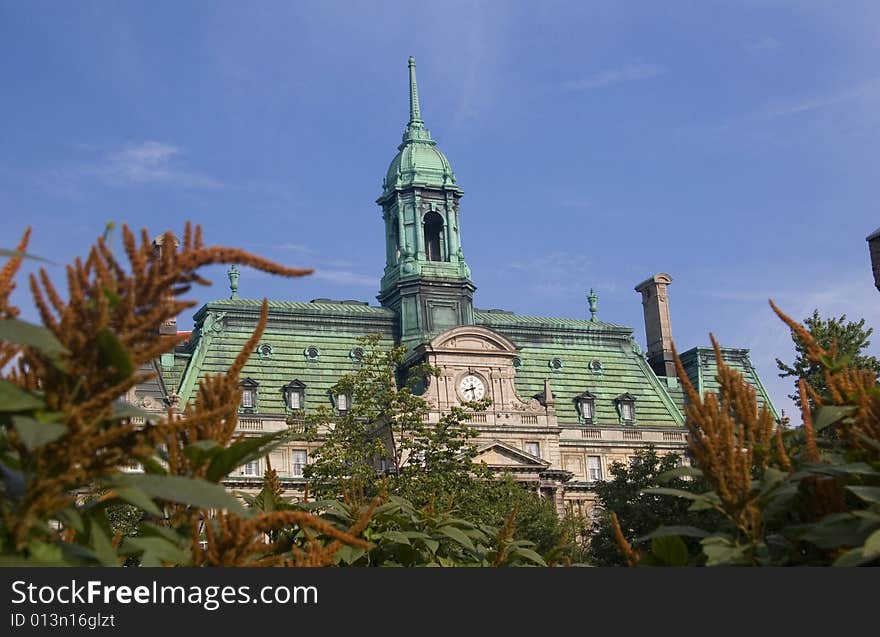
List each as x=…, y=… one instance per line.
x=214, y=322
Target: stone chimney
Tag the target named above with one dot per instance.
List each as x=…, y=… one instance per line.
x=170, y=325
x=658, y=328
x=874, y=249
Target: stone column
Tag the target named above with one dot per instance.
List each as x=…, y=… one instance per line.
x=451, y=251
x=420, y=228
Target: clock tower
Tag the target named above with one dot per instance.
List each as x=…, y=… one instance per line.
x=426, y=280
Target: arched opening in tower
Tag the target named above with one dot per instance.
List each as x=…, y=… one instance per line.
x=395, y=243
x=433, y=233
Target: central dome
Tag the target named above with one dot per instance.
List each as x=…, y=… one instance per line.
x=419, y=164
x=418, y=161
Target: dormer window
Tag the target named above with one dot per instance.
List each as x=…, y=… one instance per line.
x=249, y=395
x=586, y=405
x=295, y=395
x=626, y=405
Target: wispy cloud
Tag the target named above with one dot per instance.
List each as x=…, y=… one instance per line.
x=150, y=162
x=773, y=110
x=344, y=277
x=761, y=45
x=136, y=164
x=629, y=73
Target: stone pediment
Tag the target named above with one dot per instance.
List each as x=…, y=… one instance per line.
x=498, y=454
x=471, y=338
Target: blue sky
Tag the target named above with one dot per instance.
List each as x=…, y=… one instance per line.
x=731, y=144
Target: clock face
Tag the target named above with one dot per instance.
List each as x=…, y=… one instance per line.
x=471, y=387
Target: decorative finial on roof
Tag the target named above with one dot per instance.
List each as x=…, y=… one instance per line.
x=415, y=115
x=233, y=275
x=593, y=298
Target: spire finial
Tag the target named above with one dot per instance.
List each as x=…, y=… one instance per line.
x=233, y=281
x=593, y=298
x=415, y=115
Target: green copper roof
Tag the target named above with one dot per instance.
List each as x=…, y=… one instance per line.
x=702, y=370
x=579, y=355
x=418, y=162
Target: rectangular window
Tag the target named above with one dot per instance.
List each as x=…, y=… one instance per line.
x=533, y=448
x=298, y=459
x=342, y=402
x=594, y=468
x=251, y=468
x=247, y=398
x=295, y=402
x=587, y=410
x=627, y=411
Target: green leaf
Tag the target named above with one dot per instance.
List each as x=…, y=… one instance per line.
x=853, y=468
x=149, y=529
x=35, y=434
x=868, y=494
x=720, y=551
x=241, y=453
x=394, y=536
x=833, y=531
x=99, y=538
x=15, y=254
x=708, y=500
x=350, y=554
x=70, y=516
x=152, y=466
x=679, y=472
x=458, y=535
x=853, y=557
x=670, y=549
x=871, y=547
x=138, y=498
x=829, y=415
x=530, y=555
x=665, y=531
x=192, y=491
x=114, y=354
x=46, y=553
x=156, y=551
x=431, y=545
x=13, y=398
x=30, y=335
x=199, y=452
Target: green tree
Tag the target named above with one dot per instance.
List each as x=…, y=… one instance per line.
x=384, y=439
x=641, y=513
x=430, y=465
x=851, y=340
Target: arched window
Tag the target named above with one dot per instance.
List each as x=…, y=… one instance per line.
x=433, y=232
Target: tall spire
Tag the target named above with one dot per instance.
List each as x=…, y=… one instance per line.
x=415, y=116
x=415, y=128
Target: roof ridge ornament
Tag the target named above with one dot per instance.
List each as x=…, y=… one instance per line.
x=593, y=298
x=233, y=275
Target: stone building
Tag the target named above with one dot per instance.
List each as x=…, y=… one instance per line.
x=570, y=396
